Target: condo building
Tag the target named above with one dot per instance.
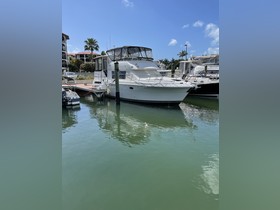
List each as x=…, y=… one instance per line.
x=64, y=52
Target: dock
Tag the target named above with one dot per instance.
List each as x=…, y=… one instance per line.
x=85, y=87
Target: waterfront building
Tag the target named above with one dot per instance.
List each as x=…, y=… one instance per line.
x=71, y=56
x=85, y=56
x=65, y=37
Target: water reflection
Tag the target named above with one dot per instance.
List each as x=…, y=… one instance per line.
x=210, y=104
x=210, y=176
x=132, y=123
x=206, y=110
x=69, y=117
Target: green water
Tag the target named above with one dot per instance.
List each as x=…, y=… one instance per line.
x=138, y=157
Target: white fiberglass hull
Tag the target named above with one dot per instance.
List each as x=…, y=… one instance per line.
x=150, y=94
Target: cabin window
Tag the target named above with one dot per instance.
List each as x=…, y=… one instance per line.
x=130, y=53
x=124, y=53
x=104, y=65
x=149, y=53
x=122, y=74
x=96, y=64
x=147, y=73
x=118, y=54
x=110, y=53
x=133, y=52
x=99, y=64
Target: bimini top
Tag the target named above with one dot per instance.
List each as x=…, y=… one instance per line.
x=207, y=59
x=130, y=53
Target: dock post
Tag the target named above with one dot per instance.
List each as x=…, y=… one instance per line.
x=117, y=83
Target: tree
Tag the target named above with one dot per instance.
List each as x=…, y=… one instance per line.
x=172, y=64
x=103, y=53
x=88, y=67
x=91, y=45
x=182, y=54
x=165, y=62
x=74, y=64
x=72, y=67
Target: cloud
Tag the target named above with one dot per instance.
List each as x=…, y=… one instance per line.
x=212, y=31
x=185, y=26
x=172, y=42
x=127, y=3
x=211, y=50
x=198, y=23
x=73, y=50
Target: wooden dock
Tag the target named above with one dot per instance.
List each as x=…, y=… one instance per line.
x=88, y=88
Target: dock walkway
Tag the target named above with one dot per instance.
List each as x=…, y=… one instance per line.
x=84, y=86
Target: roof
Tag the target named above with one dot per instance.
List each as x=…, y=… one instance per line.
x=86, y=53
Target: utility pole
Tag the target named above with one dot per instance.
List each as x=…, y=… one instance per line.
x=186, y=45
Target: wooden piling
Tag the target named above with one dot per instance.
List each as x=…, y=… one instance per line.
x=117, y=83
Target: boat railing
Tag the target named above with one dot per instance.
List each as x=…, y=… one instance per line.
x=152, y=80
x=195, y=78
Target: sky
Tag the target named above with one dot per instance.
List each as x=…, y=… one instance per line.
x=164, y=26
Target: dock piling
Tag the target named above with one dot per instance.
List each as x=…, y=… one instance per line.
x=117, y=83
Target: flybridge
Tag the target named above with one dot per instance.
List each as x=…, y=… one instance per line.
x=130, y=53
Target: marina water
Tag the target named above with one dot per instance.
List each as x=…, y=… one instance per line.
x=139, y=157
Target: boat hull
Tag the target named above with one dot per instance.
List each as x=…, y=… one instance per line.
x=71, y=102
x=210, y=90
x=150, y=94
x=70, y=98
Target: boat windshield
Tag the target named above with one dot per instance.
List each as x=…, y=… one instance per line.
x=130, y=53
x=146, y=73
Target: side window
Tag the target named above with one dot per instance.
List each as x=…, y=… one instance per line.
x=104, y=64
x=122, y=74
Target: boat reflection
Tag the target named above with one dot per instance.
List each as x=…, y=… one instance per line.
x=206, y=110
x=69, y=117
x=132, y=123
x=207, y=103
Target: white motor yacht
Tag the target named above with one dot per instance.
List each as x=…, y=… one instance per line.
x=203, y=72
x=139, y=79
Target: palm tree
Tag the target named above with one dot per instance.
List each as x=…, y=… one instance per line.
x=182, y=54
x=91, y=44
x=165, y=62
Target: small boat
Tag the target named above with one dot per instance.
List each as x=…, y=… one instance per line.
x=70, y=98
x=203, y=72
x=139, y=79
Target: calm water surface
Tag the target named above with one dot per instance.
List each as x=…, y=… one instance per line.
x=138, y=157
